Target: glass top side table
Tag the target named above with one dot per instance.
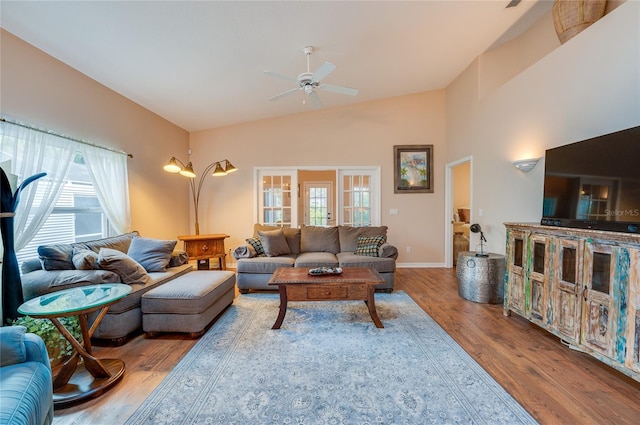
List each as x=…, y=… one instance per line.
x=76, y=382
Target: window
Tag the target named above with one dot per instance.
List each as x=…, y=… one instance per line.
x=76, y=216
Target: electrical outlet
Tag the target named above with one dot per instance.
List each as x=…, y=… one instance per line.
x=408, y=249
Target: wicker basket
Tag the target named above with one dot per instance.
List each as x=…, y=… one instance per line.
x=570, y=17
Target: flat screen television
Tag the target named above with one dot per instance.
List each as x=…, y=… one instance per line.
x=594, y=184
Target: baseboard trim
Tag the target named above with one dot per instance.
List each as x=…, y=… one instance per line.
x=420, y=265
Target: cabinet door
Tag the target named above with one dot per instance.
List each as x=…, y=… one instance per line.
x=515, y=293
x=598, y=331
x=566, y=288
x=539, y=266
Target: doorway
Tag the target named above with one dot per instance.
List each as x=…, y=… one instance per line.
x=458, y=204
x=318, y=203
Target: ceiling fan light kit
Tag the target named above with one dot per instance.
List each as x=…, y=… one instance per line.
x=309, y=81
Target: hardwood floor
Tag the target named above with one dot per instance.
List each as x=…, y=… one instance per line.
x=555, y=384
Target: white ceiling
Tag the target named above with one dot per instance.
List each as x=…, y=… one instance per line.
x=200, y=64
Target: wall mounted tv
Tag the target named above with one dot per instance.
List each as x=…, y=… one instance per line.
x=594, y=184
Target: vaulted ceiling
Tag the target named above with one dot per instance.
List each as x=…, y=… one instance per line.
x=200, y=64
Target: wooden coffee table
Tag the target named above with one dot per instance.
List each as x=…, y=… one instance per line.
x=354, y=283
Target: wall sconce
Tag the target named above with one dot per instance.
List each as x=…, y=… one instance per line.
x=176, y=166
x=526, y=165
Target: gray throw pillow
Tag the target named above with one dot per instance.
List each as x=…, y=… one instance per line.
x=12, y=349
x=274, y=243
x=349, y=235
x=123, y=265
x=152, y=254
x=56, y=257
x=319, y=239
x=85, y=259
x=291, y=234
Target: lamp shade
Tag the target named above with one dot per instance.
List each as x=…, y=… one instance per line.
x=188, y=171
x=228, y=167
x=172, y=166
x=219, y=171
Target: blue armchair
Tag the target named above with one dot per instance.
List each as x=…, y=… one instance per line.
x=26, y=386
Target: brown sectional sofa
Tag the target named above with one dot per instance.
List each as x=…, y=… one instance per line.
x=311, y=247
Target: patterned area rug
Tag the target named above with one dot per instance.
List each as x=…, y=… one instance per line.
x=328, y=364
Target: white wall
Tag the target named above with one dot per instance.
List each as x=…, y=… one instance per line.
x=587, y=87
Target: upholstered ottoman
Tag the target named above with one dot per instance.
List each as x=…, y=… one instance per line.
x=187, y=303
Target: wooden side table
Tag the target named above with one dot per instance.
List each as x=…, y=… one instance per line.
x=205, y=247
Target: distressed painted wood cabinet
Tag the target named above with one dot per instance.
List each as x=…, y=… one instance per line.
x=581, y=285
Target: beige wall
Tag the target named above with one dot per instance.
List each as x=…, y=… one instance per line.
x=513, y=102
x=362, y=134
x=42, y=91
x=587, y=87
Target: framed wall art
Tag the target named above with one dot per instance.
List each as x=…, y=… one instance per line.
x=413, y=168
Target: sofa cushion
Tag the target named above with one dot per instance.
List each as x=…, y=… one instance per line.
x=85, y=259
x=42, y=282
x=319, y=239
x=152, y=254
x=123, y=265
x=381, y=265
x=120, y=242
x=349, y=235
x=264, y=265
x=316, y=259
x=369, y=245
x=291, y=235
x=274, y=242
x=12, y=349
x=60, y=256
x=132, y=301
x=256, y=243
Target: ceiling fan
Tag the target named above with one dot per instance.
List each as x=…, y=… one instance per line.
x=308, y=82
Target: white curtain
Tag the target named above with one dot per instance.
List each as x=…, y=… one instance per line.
x=108, y=171
x=30, y=152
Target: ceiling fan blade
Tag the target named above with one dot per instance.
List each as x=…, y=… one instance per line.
x=315, y=100
x=284, y=94
x=323, y=70
x=283, y=77
x=339, y=89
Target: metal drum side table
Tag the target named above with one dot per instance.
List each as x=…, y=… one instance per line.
x=481, y=279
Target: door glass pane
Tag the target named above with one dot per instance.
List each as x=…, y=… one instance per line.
x=518, y=244
x=538, y=257
x=601, y=272
x=569, y=265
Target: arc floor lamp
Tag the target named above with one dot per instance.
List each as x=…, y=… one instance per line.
x=176, y=166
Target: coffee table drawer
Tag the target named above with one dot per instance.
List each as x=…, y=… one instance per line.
x=329, y=292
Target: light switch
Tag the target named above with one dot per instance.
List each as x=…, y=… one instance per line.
x=393, y=211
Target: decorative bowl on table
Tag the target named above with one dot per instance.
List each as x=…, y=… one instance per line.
x=321, y=271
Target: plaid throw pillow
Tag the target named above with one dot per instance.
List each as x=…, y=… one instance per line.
x=256, y=243
x=369, y=245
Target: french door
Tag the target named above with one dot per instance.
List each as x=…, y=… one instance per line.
x=277, y=195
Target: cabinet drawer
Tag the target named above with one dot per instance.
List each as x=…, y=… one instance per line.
x=204, y=248
x=327, y=293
